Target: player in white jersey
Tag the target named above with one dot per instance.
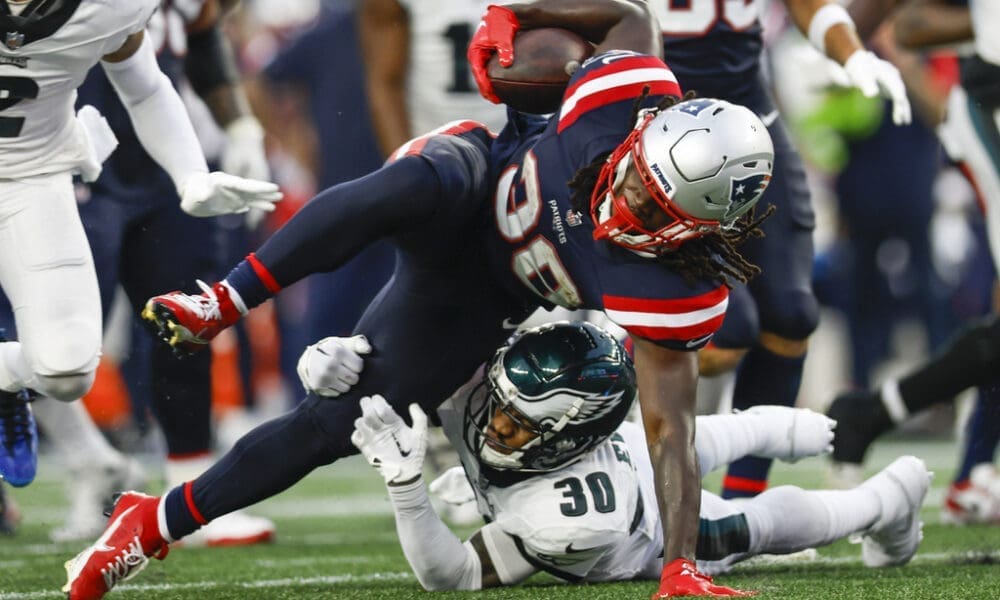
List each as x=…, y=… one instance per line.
x=46, y=268
x=567, y=487
x=418, y=76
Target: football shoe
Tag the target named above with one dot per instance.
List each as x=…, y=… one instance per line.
x=896, y=534
x=233, y=529
x=123, y=550
x=860, y=418
x=91, y=494
x=188, y=322
x=18, y=439
x=976, y=500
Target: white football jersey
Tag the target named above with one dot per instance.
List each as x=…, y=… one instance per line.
x=595, y=520
x=985, y=21
x=39, y=77
x=440, y=86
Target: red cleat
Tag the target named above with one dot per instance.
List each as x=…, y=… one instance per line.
x=189, y=322
x=681, y=578
x=132, y=536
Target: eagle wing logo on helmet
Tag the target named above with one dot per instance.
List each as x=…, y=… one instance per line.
x=596, y=406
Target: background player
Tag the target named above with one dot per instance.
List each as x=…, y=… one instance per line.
x=715, y=49
x=142, y=240
x=564, y=483
x=971, y=137
x=46, y=267
x=658, y=263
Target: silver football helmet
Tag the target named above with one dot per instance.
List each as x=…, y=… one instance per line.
x=705, y=162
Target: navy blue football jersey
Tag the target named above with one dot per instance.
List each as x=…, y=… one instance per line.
x=130, y=172
x=712, y=46
x=543, y=249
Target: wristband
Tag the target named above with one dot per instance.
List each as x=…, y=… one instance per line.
x=823, y=19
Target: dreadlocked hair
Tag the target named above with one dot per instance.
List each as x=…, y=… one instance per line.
x=713, y=256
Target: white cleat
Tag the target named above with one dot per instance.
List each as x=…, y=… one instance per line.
x=895, y=536
x=235, y=529
x=91, y=492
x=797, y=432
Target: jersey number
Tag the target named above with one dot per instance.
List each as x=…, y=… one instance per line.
x=12, y=91
x=696, y=17
x=536, y=263
x=459, y=34
x=601, y=490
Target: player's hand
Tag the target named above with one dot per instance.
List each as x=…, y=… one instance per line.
x=874, y=76
x=794, y=433
x=495, y=34
x=331, y=366
x=244, y=154
x=395, y=450
x=681, y=578
x=218, y=193
x=101, y=141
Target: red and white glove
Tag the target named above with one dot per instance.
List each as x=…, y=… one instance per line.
x=495, y=34
x=681, y=578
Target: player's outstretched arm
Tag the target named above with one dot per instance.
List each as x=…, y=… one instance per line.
x=437, y=556
x=667, y=381
x=830, y=29
x=780, y=432
x=213, y=74
x=165, y=131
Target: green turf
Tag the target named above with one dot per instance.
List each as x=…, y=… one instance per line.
x=336, y=540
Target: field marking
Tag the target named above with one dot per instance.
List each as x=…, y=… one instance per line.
x=207, y=585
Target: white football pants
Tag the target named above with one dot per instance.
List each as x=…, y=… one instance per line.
x=47, y=273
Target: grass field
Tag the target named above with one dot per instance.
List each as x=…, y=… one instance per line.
x=336, y=540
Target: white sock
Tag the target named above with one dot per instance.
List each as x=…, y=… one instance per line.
x=15, y=374
x=787, y=519
x=74, y=434
x=722, y=439
x=893, y=401
x=236, y=298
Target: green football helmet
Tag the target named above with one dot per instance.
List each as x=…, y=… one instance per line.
x=571, y=383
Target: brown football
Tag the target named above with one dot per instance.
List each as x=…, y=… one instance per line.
x=544, y=60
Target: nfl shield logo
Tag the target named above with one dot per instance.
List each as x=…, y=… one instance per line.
x=13, y=40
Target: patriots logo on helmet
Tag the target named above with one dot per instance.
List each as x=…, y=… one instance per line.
x=746, y=189
x=695, y=106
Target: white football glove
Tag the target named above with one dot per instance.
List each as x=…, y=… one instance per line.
x=218, y=193
x=395, y=450
x=331, y=366
x=793, y=433
x=453, y=487
x=101, y=141
x=874, y=76
x=244, y=154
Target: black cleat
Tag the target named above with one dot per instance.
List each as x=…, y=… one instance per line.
x=861, y=418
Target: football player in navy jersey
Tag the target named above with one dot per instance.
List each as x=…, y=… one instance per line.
x=486, y=230
x=714, y=48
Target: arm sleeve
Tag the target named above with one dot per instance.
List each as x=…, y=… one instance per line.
x=438, y=558
x=722, y=439
x=157, y=112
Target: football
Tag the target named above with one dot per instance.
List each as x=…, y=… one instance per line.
x=544, y=60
